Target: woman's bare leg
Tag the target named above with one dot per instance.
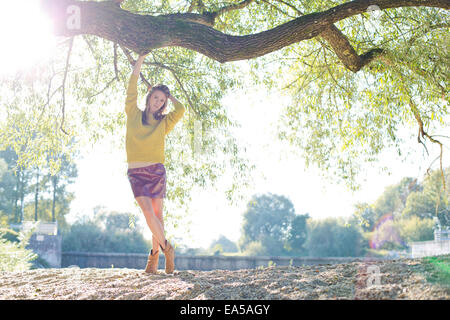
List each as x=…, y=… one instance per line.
x=158, y=210
x=152, y=220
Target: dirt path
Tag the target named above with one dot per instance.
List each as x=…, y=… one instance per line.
x=427, y=278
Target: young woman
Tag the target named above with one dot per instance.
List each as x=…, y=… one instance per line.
x=145, y=136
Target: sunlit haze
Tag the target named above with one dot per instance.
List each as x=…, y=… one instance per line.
x=27, y=39
x=279, y=171
x=26, y=35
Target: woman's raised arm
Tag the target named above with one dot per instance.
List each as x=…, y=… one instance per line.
x=131, y=100
x=138, y=65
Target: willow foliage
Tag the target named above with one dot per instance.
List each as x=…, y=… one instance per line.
x=339, y=119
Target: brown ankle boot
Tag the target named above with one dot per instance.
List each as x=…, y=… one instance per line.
x=152, y=262
x=169, y=253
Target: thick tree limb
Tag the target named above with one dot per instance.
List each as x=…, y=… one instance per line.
x=342, y=47
x=142, y=33
x=345, y=52
x=339, y=43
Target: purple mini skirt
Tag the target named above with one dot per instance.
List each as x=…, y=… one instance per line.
x=149, y=181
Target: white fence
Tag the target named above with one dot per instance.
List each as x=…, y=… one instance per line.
x=440, y=245
x=48, y=228
x=430, y=248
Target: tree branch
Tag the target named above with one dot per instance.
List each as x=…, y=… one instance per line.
x=206, y=18
x=174, y=74
x=234, y=6
x=64, y=85
x=142, y=33
x=116, y=69
x=423, y=134
x=132, y=62
x=106, y=87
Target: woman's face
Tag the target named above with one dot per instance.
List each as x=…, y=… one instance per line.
x=156, y=101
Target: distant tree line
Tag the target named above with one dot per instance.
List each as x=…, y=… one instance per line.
x=407, y=211
x=34, y=192
x=105, y=232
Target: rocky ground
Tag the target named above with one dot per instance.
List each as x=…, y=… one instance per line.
x=425, y=278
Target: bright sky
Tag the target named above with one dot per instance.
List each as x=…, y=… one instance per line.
x=25, y=33
x=102, y=172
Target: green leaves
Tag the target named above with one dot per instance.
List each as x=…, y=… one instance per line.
x=13, y=255
x=270, y=226
x=341, y=120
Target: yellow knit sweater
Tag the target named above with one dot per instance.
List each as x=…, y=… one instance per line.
x=146, y=142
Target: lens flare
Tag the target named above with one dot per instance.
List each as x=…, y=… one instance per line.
x=385, y=231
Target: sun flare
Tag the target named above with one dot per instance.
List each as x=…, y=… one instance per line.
x=26, y=35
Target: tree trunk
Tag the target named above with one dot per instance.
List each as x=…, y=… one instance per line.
x=54, y=184
x=36, y=196
x=22, y=195
x=16, y=197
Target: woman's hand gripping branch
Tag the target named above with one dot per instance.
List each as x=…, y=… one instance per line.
x=137, y=69
x=137, y=66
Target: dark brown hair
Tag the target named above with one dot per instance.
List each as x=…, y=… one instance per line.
x=158, y=114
